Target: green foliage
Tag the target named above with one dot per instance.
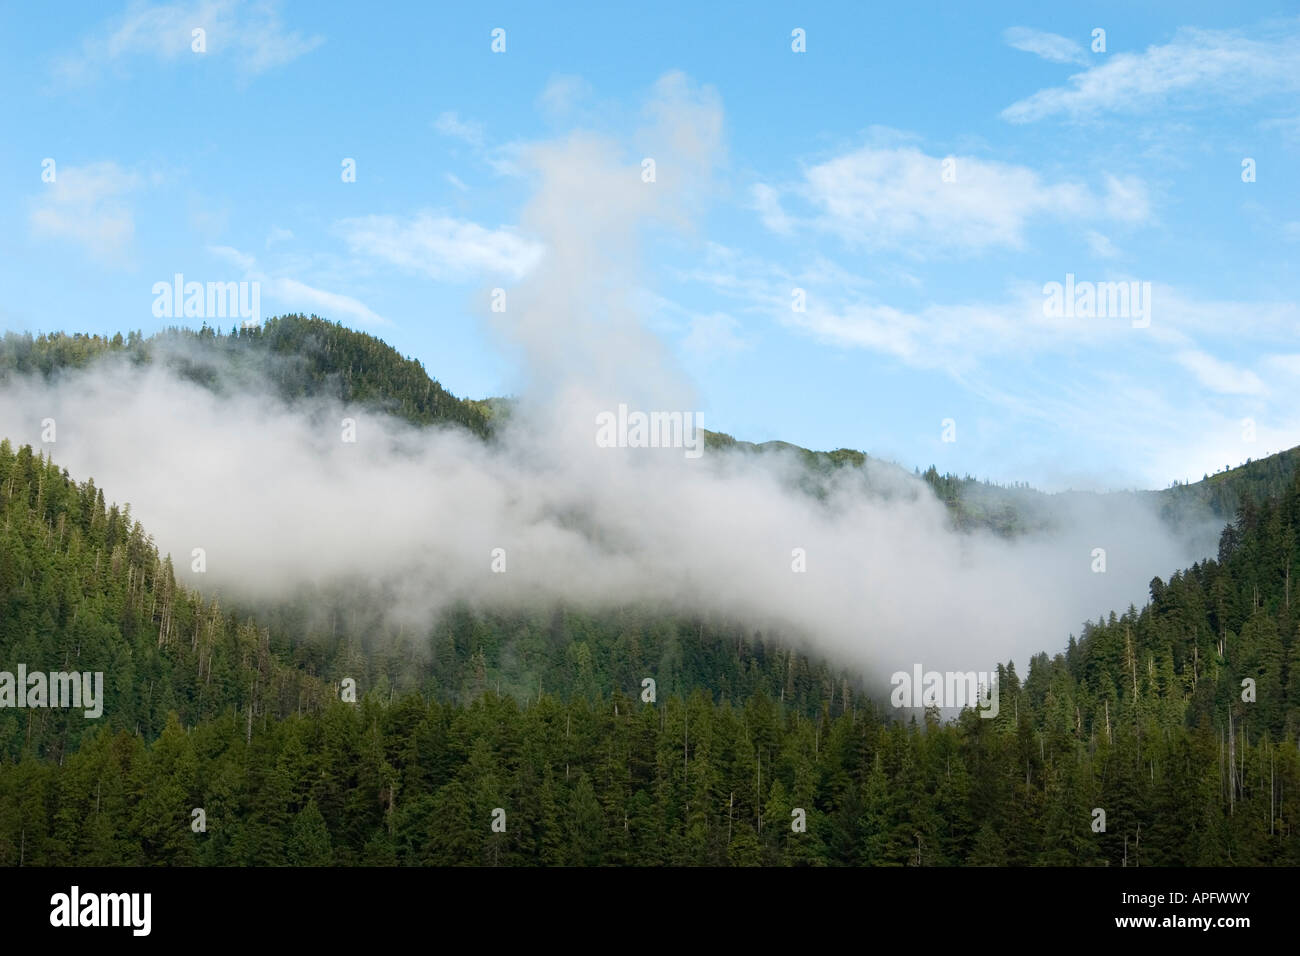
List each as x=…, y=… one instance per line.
x=1143, y=717
x=300, y=357
x=539, y=713
x=82, y=588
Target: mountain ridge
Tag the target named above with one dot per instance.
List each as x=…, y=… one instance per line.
x=329, y=358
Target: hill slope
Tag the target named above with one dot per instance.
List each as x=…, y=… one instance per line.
x=1143, y=718
x=315, y=357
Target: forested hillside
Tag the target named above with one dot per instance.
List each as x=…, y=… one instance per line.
x=305, y=357
x=311, y=357
x=83, y=587
x=1017, y=509
x=1225, y=492
x=237, y=709
x=1142, y=717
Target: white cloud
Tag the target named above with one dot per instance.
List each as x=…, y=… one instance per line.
x=952, y=337
x=1094, y=371
x=441, y=247
x=884, y=196
x=656, y=529
x=234, y=256
x=767, y=202
x=1112, y=385
x=1288, y=126
x=277, y=235
x=1127, y=200
x=1220, y=376
x=86, y=204
x=330, y=304
x=297, y=296
x=1101, y=245
x=713, y=334
x=1049, y=46
x=1260, y=321
x=562, y=94
x=1288, y=364
x=504, y=160
x=468, y=131
x=251, y=34
x=897, y=197
x=686, y=123
x=1195, y=67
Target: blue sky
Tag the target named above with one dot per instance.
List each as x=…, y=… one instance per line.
x=924, y=297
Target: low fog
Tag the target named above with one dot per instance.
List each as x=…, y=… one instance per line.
x=278, y=499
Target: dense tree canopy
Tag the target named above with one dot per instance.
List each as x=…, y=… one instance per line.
x=1142, y=717
x=1179, y=721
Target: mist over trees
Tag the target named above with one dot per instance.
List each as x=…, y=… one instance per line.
x=233, y=706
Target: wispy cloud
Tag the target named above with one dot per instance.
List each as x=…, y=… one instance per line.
x=277, y=234
x=1220, y=376
x=767, y=203
x=955, y=338
x=1049, y=46
x=232, y=255
x=1127, y=199
x=900, y=197
x=503, y=158
x=714, y=334
x=1195, y=68
x=331, y=304
x=441, y=247
x=1120, y=387
x=250, y=34
x=468, y=131
x=298, y=296
x=1288, y=364
x=1101, y=245
x=963, y=338
x=87, y=205
x=562, y=94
